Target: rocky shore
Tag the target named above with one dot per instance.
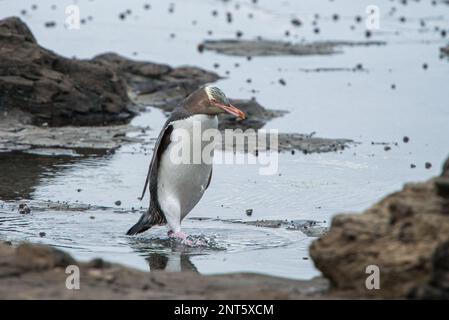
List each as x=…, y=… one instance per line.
x=38, y=272
x=46, y=97
x=406, y=235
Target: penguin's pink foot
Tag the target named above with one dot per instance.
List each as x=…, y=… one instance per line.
x=183, y=237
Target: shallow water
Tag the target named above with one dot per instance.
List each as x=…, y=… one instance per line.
x=356, y=105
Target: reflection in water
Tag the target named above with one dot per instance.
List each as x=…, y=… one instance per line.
x=20, y=172
x=170, y=262
x=163, y=254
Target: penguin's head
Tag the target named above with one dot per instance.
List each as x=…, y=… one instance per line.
x=211, y=100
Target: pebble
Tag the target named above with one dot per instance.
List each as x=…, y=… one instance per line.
x=249, y=212
x=118, y=203
x=296, y=22
x=42, y=234
x=428, y=165
x=50, y=24
x=406, y=139
x=228, y=17
x=24, y=209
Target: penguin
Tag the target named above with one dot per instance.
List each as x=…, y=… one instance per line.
x=177, y=186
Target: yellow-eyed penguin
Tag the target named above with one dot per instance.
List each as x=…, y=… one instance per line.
x=176, y=187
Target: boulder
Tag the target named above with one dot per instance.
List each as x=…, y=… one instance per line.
x=31, y=271
x=405, y=235
x=157, y=85
x=53, y=89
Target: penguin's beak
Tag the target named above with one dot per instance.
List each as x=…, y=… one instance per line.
x=232, y=110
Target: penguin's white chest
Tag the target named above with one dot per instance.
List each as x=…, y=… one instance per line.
x=183, y=174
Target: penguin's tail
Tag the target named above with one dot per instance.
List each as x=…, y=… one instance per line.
x=147, y=220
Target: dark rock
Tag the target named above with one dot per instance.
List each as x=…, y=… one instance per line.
x=249, y=212
x=438, y=284
x=154, y=84
x=24, y=209
x=445, y=50
x=296, y=22
x=54, y=89
x=229, y=17
x=40, y=257
x=445, y=172
x=50, y=24
x=118, y=203
x=404, y=235
x=38, y=272
x=272, y=47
